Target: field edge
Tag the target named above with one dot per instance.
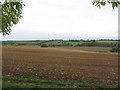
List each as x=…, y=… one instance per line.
x=19, y=82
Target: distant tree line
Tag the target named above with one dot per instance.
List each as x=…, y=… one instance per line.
x=64, y=43
x=100, y=44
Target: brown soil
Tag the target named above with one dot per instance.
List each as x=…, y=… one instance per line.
x=60, y=64
x=91, y=49
x=52, y=42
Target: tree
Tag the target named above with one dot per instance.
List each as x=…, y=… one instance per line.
x=11, y=13
x=115, y=49
x=44, y=45
x=99, y=3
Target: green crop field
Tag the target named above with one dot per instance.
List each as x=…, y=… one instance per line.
x=74, y=42
x=107, y=41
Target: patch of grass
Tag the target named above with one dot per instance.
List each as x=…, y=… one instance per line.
x=107, y=41
x=51, y=83
x=24, y=85
x=74, y=42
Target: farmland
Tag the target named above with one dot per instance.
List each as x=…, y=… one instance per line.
x=57, y=43
x=60, y=64
x=90, y=49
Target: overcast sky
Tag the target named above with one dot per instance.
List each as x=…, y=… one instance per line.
x=65, y=19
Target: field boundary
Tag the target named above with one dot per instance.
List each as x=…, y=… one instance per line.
x=20, y=82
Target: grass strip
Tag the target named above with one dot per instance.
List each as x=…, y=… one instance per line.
x=60, y=83
x=23, y=85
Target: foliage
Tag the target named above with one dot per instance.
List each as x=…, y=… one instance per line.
x=109, y=43
x=44, y=45
x=15, y=44
x=11, y=14
x=115, y=49
x=99, y=3
x=100, y=44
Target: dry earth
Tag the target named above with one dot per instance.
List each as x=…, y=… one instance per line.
x=60, y=64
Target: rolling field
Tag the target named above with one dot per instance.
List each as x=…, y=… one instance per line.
x=90, y=49
x=60, y=64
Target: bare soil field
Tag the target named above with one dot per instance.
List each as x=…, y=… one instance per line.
x=60, y=64
x=52, y=42
x=91, y=49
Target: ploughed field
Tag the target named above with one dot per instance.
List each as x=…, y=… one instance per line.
x=91, y=49
x=60, y=64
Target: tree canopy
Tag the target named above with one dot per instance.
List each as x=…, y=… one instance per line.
x=99, y=3
x=11, y=12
